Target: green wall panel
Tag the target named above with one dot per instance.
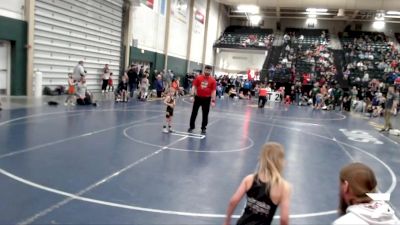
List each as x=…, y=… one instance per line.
x=156, y=59
x=160, y=61
x=195, y=66
x=177, y=65
x=15, y=31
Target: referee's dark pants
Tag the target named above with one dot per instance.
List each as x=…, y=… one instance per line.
x=204, y=102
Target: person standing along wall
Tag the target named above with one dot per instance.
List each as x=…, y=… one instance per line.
x=79, y=71
x=390, y=98
x=105, y=77
x=158, y=84
x=133, y=79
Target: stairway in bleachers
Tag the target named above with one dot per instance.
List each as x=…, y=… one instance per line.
x=272, y=58
x=338, y=58
x=278, y=41
x=334, y=42
x=275, y=54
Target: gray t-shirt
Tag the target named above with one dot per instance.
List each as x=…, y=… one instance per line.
x=390, y=98
x=78, y=72
x=81, y=90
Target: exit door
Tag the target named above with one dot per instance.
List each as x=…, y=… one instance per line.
x=5, y=62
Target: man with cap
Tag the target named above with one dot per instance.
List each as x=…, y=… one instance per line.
x=203, y=92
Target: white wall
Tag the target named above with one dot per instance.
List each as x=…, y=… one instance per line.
x=219, y=22
x=198, y=29
x=223, y=22
x=178, y=31
x=239, y=60
x=212, y=34
x=12, y=9
x=91, y=31
x=149, y=28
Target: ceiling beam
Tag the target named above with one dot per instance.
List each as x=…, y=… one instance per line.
x=332, y=19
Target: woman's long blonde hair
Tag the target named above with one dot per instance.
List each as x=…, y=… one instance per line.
x=271, y=162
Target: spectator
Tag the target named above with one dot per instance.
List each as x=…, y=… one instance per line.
x=133, y=78
x=110, y=84
x=167, y=79
x=141, y=72
x=122, y=91
x=338, y=97
x=105, y=68
x=355, y=206
x=71, y=90
x=79, y=71
x=390, y=99
x=84, y=97
x=144, y=86
x=159, y=86
x=175, y=86
x=105, y=78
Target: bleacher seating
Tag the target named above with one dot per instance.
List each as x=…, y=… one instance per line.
x=245, y=38
x=312, y=37
x=370, y=48
x=297, y=42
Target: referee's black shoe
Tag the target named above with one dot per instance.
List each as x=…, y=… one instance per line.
x=190, y=130
x=203, y=131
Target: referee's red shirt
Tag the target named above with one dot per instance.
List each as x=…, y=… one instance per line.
x=205, y=85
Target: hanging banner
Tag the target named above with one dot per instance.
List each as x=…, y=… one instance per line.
x=198, y=25
x=148, y=3
x=162, y=7
x=199, y=17
x=253, y=74
x=179, y=9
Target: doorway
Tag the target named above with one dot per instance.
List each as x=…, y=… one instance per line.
x=5, y=65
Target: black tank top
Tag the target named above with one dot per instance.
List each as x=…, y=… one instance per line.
x=171, y=100
x=260, y=209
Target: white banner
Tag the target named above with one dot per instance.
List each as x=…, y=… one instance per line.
x=274, y=96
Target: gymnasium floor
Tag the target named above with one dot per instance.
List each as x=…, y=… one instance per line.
x=111, y=164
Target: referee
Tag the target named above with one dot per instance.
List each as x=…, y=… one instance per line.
x=203, y=90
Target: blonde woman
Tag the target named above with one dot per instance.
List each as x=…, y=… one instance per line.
x=265, y=190
x=355, y=206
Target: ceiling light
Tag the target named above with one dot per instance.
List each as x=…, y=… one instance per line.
x=255, y=20
x=379, y=16
x=314, y=10
x=341, y=13
x=378, y=25
x=252, y=9
x=311, y=21
x=393, y=13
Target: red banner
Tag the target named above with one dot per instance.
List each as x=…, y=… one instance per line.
x=199, y=16
x=148, y=3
